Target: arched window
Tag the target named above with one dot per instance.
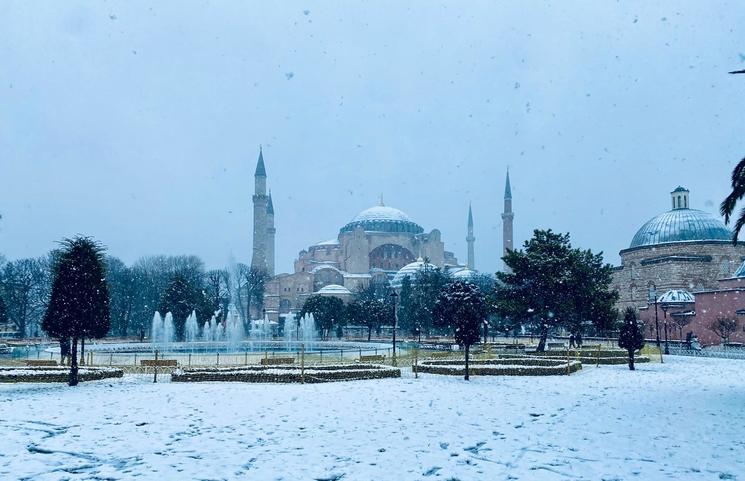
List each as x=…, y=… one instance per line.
x=679, y=203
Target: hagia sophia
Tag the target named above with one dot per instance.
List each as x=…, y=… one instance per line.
x=680, y=264
x=379, y=245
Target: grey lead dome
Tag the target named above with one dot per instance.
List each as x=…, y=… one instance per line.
x=681, y=225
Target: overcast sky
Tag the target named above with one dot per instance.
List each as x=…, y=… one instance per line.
x=139, y=123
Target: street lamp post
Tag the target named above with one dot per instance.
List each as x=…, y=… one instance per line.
x=653, y=295
x=664, y=309
x=394, y=298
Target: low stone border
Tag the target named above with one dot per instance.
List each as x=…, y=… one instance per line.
x=501, y=367
x=287, y=374
x=55, y=374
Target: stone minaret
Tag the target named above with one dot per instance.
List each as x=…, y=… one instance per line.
x=507, y=217
x=470, y=239
x=261, y=206
x=270, y=231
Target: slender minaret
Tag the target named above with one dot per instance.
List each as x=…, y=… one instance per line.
x=270, y=231
x=507, y=217
x=261, y=206
x=470, y=239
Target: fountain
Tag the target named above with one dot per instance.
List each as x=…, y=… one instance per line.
x=162, y=332
x=234, y=328
x=169, y=333
x=191, y=328
x=303, y=330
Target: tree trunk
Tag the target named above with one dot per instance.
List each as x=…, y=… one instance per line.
x=82, y=351
x=73, y=379
x=467, y=362
x=63, y=350
x=369, y=333
x=542, y=342
x=631, y=359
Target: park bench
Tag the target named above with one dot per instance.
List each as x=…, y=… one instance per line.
x=41, y=362
x=274, y=361
x=373, y=358
x=556, y=345
x=159, y=363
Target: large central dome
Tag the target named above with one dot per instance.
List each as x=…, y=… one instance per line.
x=681, y=225
x=381, y=218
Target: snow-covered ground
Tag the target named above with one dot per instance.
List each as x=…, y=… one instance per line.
x=684, y=420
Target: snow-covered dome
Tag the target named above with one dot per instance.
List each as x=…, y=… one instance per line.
x=334, y=289
x=676, y=296
x=410, y=270
x=681, y=224
x=382, y=218
x=465, y=274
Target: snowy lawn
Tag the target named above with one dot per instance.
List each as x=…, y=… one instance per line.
x=684, y=420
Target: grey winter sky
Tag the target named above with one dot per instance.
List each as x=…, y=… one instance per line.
x=139, y=122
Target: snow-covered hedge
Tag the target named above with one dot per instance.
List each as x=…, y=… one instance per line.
x=55, y=374
x=582, y=353
x=286, y=374
x=501, y=367
x=592, y=357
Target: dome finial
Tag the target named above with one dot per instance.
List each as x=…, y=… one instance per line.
x=382, y=204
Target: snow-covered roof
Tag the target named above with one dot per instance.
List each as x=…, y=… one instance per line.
x=382, y=212
x=330, y=242
x=334, y=289
x=465, y=274
x=382, y=218
x=410, y=270
x=676, y=296
x=325, y=266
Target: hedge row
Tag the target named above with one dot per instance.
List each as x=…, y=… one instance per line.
x=589, y=359
x=55, y=374
x=288, y=374
x=582, y=353
x=497, y=367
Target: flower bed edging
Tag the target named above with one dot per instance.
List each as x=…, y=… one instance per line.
x=50, y=374
x=287, y=374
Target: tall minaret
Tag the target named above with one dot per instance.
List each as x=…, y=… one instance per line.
x=507, y=217
x=470, y=239
x=270, y=232
x=261, y=205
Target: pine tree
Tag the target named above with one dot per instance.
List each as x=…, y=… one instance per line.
x=79, y=304
x=552, y=285
x=461, y=305
x=3, y=312
x=631, y=336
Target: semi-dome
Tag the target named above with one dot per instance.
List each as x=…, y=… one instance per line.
x=410, y=270
x=334, y=289
x=382, y=218
x=681, y=225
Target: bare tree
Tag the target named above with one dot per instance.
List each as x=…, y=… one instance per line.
x=26, y=284
x=723, y=327
x=249, y=291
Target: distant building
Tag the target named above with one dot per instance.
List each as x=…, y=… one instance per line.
x=682, y=249
x=376, y=245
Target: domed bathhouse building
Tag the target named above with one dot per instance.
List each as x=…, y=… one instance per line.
x=371, y=248
x=681, y=250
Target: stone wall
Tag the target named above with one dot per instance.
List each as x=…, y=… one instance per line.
x=693, y=266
